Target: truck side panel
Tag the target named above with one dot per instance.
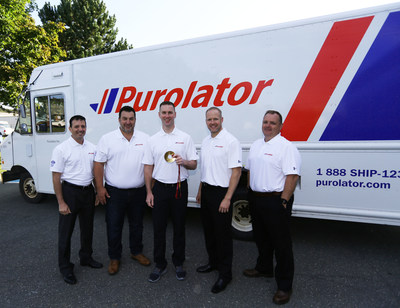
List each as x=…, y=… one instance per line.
x=334, y=79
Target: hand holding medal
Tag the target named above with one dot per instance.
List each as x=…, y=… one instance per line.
x=171, y=157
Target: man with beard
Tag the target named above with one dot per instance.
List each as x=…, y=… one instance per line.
x=119, y=160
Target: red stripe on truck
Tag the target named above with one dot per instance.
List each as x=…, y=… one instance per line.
x=329, y=66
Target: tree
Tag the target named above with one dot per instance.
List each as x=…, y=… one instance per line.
x=89, y=28
x=23, y=46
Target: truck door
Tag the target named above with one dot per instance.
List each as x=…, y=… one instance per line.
x=22, y=141
x=49, y=130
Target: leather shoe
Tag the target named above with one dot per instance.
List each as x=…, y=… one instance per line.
x=281, y=297
x=70, y=279
x=92, y=263
x=253, y=273
x=113, y=267
x=205, y=269
x=220, y=285
x=141, y=258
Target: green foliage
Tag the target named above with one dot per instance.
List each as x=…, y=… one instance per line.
x=23, y=46
x=89, y=28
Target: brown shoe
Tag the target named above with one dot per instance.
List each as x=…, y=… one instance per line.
x=113, y=267
x=141, y=258
x=281, y=297
x=253, y=273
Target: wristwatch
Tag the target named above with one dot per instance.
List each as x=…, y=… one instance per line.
x=284, y=201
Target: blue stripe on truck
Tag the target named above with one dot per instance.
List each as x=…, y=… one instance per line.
x=370, y=108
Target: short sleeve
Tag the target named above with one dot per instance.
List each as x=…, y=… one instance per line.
x=101, y=151
x=148, y=155
x=291, y=160
x=191, y=152
x=235, y=154
x=57, y=162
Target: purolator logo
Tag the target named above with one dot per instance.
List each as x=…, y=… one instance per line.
x=195, y=96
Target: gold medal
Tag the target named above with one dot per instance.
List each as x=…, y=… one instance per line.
x=168, y=156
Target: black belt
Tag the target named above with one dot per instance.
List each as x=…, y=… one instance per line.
x=108, y=185
x=266, y=194
x=169, y=184
x=78, y=186
x=204, y=184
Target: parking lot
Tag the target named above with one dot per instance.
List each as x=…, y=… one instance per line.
x=338, y=264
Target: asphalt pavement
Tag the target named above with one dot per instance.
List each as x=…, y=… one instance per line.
x=337, y=264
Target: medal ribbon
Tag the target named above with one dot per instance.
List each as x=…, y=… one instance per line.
x=178, y=193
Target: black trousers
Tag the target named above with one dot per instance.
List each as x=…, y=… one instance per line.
x=271, y=231
x=81, y=204
x=217, y=230
x=165, y=203
x=129, y=202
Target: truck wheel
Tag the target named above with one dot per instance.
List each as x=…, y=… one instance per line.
x=27, y=189
x=241, y=219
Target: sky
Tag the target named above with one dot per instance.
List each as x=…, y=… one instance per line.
x=152, y=22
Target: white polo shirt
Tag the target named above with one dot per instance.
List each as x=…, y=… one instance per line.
x=218, y=156
x=74, y=161
x=160, y=143
x=122, y=158
x=270, y=162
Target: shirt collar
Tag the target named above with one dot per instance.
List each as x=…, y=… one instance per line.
x=220, y=135
x=73, y=142
x=273, y=140
x=174, y=132
x=120, y=135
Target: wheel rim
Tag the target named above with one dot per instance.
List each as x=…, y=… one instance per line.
x=30, y=188
x=241, y=219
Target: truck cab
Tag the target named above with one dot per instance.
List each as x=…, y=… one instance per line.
x=40, y=126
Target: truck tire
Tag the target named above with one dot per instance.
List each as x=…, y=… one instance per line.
x=242, y=228
x=27, y=189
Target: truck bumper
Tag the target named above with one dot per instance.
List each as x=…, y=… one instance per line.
x=8, y=176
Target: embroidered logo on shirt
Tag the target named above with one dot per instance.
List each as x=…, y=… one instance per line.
x=138, y=144
x=179, y=142
x=52, y=163
x=268, y=154
x=219, y=146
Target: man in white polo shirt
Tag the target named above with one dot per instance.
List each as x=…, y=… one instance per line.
x=72, y=170
x=168, y=157
x=274, y=167
x=221, y=163
x=119, y=160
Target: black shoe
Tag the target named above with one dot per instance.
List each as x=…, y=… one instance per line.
x=281, y=297
x=156, y=274
x=220, y=285
x=253, y=273
x=70, y=279
x=205, y=268
x=180, y=273
x=92, y=263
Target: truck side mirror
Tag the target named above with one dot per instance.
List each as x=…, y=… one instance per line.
x=22, y=111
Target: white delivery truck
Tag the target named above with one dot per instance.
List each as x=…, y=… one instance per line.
x=335, y=79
